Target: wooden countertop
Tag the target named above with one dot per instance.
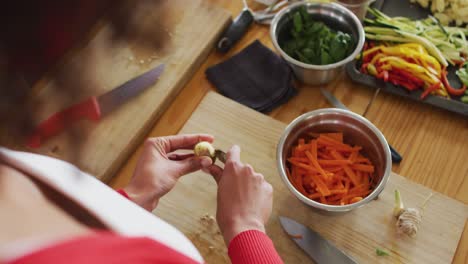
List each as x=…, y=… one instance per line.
x=433, y=142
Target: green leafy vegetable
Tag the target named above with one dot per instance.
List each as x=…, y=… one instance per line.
x=380, y=252
x=297, y=22
x=462, y=73
x=314, y=42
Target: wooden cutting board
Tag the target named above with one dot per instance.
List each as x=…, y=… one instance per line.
x=358, y=233
x=179, y=33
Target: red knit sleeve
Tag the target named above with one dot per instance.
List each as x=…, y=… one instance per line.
x=253, y=246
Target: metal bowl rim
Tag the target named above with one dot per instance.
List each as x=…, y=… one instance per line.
x=333, y=208
x=360, y=29
x=356, y=5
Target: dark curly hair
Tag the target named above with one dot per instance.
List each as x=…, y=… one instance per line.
x=35, y=35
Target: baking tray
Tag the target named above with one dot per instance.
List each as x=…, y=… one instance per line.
x=406, y=9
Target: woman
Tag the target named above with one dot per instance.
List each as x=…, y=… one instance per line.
x=54, y=213
x=50, y=212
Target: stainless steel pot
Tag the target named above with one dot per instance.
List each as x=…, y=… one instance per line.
x=357, y=130
x=333, y=15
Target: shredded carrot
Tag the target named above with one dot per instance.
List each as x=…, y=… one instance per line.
x=314, y=196
x=321, y=186
x=334, y=198
x=329, y=171
x=316, y=164
x=313, y=148
x=303, y=147
x=347, y=183
x=303, y=160
x=334, y=169
x=339, y=162
x=324, y=156
x=355, y=199
x=351, y=175
x=323, y=200
x=353, y=156
x=362, y=160
x=304, y=166
x=337, y=155
x=330, y=142
x=365, y=168
x=301, y=141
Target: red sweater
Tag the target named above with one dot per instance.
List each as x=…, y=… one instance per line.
x=105, y=247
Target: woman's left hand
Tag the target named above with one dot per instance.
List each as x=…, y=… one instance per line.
x=158, y=169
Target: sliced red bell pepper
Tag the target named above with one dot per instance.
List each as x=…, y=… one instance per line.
x=404, y=84
x=383, y=75
x=458, y=62
x=450, y=89
x=369, y=56
x=408, y=76
x=364, y=68
x=402, y=81
x=429, y=90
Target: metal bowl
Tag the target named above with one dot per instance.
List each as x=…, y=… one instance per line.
x=356, y=130
x=334, y=16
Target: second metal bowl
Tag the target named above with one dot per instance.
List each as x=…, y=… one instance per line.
x=334, y=16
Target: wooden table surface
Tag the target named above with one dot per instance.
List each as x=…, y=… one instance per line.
x=433, y=142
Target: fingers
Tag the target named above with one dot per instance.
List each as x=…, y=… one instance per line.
x=233, y=154
x=188, y=141
x=249, y=169
x=176, y=157
x=215, y=171
x=191, y=164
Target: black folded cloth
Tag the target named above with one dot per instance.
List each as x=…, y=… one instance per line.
x=255, y=77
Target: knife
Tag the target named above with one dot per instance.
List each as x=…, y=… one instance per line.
x=93, y=108
x=318, y=248
x=396, y=157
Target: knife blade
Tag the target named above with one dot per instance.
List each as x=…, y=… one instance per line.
x=317, y=247
x=396, y=157
x=93, y=108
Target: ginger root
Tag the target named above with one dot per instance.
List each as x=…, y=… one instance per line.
x=408, y=219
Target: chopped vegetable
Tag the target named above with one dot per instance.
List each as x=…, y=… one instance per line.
x=447, y=11
x=204, y=148
x=446, y=44
x=314, y=42
x=449, y=87
x=329, y=171
x=380, y=252
x=462, y=73
x=408, y=219
x=408, y=65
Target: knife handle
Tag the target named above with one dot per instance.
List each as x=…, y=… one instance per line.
x=88, y=109
x=235, y=31
x=396, y=157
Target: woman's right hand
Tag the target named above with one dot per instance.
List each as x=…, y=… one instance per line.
x=245, y=199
